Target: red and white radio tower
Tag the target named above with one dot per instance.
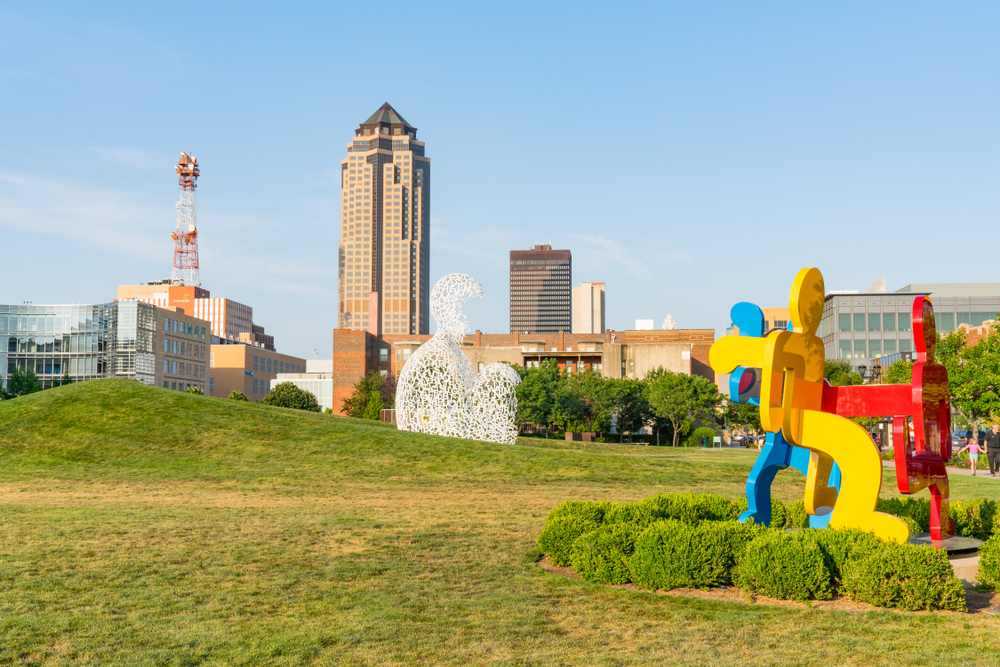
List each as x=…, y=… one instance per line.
x=186, y=235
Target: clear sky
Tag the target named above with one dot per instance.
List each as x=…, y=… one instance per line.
x=691, y=155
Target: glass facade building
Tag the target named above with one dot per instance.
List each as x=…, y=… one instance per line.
x=863, y=327
x=124, y=339
x=541, y=298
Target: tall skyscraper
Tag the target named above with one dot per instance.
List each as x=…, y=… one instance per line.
x=540, y=297
x=588, y=308
x=385, y=229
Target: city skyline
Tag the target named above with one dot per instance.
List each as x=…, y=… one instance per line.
x=848, y=122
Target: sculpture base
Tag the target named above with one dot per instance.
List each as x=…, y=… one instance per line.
x=955, y=546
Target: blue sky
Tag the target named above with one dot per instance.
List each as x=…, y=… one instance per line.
x=691, y=155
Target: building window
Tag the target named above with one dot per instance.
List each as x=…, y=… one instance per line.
x=255, y=385
x=255, y=362
x=874, y=322
x=166, y=345
x=860, y=349
x=904, y=345
x=890, y=347
x=383, y=354
x=481, y=367
x=859, y=321
x=904, y=325
x=166, y=385
x=875, y=347
x=845, y=349
x=173, y=368
x=269, y=364
x=166, y=366
x=889, y=322
x=211, y=383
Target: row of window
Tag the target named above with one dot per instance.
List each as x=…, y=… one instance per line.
x=171, y=367
x=266, y=364
x=182, y=386
x=871, y=349
x=864, y=322
x=188, y=329
x=171, y=346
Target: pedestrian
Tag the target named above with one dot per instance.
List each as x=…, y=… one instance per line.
x=992, y=448
x=974, y=450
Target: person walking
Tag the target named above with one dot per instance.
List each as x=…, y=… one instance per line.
x=992, y=448
x=974, y=450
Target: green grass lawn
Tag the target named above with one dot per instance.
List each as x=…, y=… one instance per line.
x=146, y=527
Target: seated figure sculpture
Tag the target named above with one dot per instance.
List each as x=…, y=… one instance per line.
x=439, y=392
x=791, y=402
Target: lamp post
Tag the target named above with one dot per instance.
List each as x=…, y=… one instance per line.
x=871, y=375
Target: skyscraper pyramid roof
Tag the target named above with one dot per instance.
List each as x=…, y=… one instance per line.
x=386, y=114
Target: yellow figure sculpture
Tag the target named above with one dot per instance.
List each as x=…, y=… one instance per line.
x=791, y=399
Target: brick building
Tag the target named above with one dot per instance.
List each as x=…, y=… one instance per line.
x=248, y=368
x=614, y=354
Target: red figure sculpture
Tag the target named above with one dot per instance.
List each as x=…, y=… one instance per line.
x=920, y=464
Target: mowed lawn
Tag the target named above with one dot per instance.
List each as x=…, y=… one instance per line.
x=146, y=527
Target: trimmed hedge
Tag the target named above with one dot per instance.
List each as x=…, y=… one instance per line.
x=788, y=566
x=989, y=563
x=674, y=554
x=904, y=576
x=603, y=556
x=568, y=521
x=698, y=433
x=690, y=540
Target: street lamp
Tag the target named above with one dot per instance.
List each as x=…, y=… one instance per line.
x=872, y=375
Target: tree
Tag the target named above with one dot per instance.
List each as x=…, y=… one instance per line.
x=536, y=393
x=741, y=415
x=287, y=395
x=840, y=373
x=239, y=396
x=66, y=379
x=194, y=390
x=630, y=407
x=374, y=408
x=900, y=372
x=22, y=383
x=356, y=405
x=681, y=399
x=973, y=375
x=583, y=402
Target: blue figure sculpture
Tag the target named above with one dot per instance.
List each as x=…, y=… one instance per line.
x=777, y=454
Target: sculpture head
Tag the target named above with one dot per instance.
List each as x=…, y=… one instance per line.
x=805, y=303
x=447, y=298
x=924, y=330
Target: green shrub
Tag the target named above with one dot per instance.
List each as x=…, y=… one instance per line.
x=904, y=576
x=840, y=546
x=779, y=514
x=603, y=555
x=916, y=512
x=566, y=522
x=194, y=390
x=287, y=395
x=974, y=518
x=672, y=554
x=239, y=396
x=698, y=434
x=787, y=566
x=690, y=508
x=989, y=563
x=797, y=517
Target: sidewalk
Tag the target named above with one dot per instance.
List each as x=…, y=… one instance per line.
x=954, y=471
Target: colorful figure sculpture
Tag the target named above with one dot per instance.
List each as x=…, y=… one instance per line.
x=791, y=402
x=920, y=464
x=776, y=454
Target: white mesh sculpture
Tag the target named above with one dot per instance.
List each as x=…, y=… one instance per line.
x=438, y=391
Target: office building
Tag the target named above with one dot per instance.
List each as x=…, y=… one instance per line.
x=162, y=347
x=774, y=318
x=384, y=253
x=317, y=379
x=230, y=320
x=588, y=308
x=541, y=290
x=248, y=369
x=861, y=327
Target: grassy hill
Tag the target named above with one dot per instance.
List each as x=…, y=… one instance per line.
x=140, y=526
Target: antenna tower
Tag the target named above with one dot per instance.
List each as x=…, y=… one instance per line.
x=186, y=235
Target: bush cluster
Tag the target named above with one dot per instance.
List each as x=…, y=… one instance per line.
x=687, y=540
x=701, y=432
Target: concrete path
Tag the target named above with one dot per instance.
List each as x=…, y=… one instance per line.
x=982, y=472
